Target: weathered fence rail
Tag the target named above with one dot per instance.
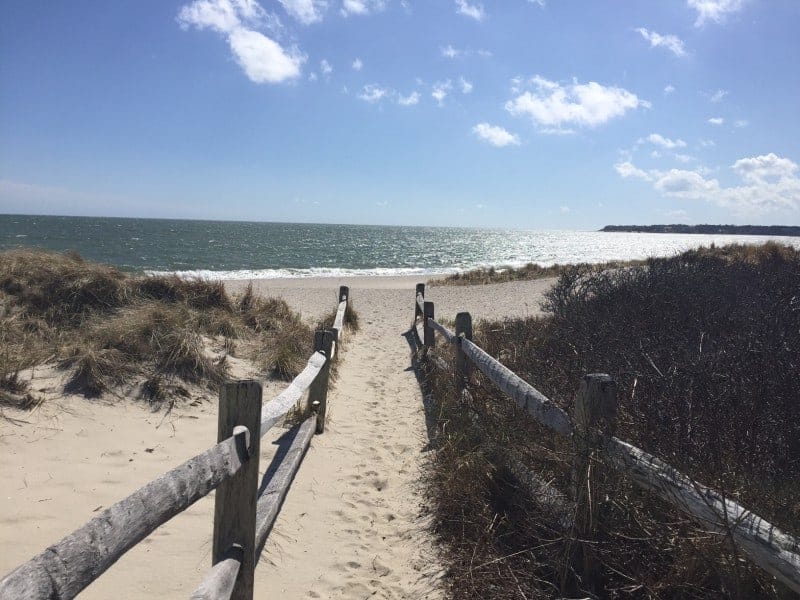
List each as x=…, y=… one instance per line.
x=243, y=513
x=773, y=550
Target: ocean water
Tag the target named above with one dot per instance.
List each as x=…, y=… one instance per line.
x=240, y=250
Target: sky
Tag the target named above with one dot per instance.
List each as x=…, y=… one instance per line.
x=558, y=114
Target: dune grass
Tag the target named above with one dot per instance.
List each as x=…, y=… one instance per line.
x=703, y=347
x=107, y=328
x=483, y=276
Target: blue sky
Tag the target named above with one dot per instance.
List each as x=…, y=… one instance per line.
x=533, y=114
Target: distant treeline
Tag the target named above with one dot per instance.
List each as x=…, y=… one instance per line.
x=729, y=229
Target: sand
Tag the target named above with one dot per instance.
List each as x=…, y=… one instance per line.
x=353, y=524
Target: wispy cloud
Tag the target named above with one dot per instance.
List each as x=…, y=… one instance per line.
x=495, y=135
x=241, y=22
x=718, y=96
x=440, y=91
x=410, y=100
x=305, y=11
x=714, y=10
x=357, y=64
x=553, y=105
x=739, y=123
x=473, y=11
x=659, y=140
x=669, y=89
x=466, y=86
x=450, y=52
x=373, y=93
x=325, y=67
x=716, y=120
x=362, y=7
x=671, y=42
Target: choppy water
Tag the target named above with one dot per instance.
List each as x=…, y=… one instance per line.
x=238, y=250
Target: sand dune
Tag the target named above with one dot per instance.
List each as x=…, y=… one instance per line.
x=353, y=523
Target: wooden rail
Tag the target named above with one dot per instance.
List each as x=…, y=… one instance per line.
x=243, y=517
x=773, y=550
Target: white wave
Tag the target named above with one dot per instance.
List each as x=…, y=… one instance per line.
x=303, y=273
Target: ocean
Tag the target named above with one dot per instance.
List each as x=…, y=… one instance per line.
x=241, y=250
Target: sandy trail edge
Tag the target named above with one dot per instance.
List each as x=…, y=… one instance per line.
x=351, y=525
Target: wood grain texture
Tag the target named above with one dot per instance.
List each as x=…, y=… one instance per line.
x=220, y=579
x=775, y=551
x=67, y=567
x=429, y=336
x=324, y=342
x=280, y=478
x=539, y=406
x=235, y=500
x=276, y=409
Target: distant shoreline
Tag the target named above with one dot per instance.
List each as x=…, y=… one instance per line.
x=781, y=230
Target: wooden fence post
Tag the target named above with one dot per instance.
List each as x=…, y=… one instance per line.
x=235, y=501
x=420, y=290
x=428, y=333
x=595, y=415
x=318, y=390
x=463, y=366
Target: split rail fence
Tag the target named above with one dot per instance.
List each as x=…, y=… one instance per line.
x=243, y=514
x=773, y=550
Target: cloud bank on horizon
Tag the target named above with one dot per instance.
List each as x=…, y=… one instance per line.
x=524, y=103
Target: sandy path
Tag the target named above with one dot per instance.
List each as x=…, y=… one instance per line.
x=351, y=525
x=362, y=535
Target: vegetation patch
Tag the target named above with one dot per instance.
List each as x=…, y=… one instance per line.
x=483, y=276
x=703, y=347
x=108, y=329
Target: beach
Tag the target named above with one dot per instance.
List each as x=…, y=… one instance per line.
x=354, y=522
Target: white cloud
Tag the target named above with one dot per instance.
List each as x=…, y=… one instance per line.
x=716, y=120
x=495, y=135
x=669, y=89
x=473, y=11
x=627, y=169
x=718, y=96
x=541, y=3
x=714, y=10
x=325, y=67
x=262, y=59
x=440, y=91
x=450, y=52
x=759, y=169
x=410, y=100
x=706, y=143
x=678, y=212
x=684, y=158
x=671, y=42
x=362, y=7
x=357, y=64
x=564, y=209
x=373, y=93
x=466, y=86
x=660, y=140
x=305, y=11
x=768, y=183
x=739, y=123
x=551, y=105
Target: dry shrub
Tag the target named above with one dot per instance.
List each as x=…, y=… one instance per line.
x=94, y=371
x=62, y=289
x=483, y=276
x=703, y=347
x=285, y=353
x=132, y=326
